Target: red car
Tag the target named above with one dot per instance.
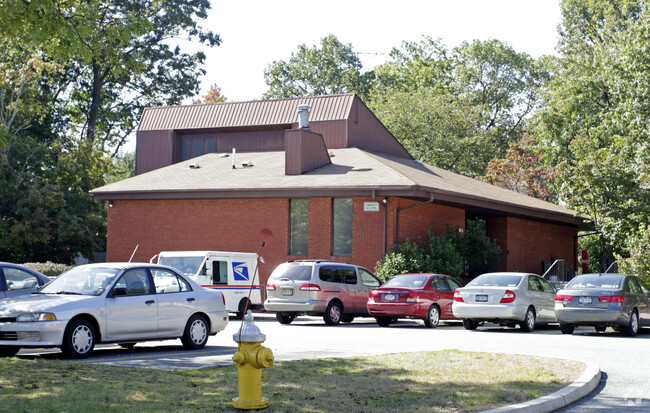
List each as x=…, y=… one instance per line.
x=425, y=296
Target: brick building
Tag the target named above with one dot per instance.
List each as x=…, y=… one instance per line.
x=335, y=186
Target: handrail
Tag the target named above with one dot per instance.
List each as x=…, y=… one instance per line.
x=610, y=267
x=551, y=267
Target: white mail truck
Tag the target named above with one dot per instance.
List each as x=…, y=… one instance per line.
x=235, y=274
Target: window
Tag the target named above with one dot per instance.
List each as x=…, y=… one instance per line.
x=337, y=274
x=533, y=284
x=453, y=285
x=342, y=226
x=136, y=282
x=440, y=284
x=18, y=279
x=299, y=227
x=167, y=282
x=219, y=272
x=368, y=279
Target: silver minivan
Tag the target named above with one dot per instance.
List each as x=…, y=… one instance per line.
x=336, y=290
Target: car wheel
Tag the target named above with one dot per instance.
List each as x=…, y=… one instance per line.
x=600, y=329
x=283, y=318
x=632, y=328
x=433, y=317
x=566, y=328
x=8, y=351
x=333, y=314
x=383, y=321
x=347, y=318
x=78, y=339
x=195, y=335
x=469, y=324
x=242, y=308
x=529, y=321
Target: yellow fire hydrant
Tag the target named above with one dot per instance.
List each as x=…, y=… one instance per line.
x=251, y=357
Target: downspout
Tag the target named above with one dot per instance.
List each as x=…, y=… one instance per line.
x=401, y=209
x=382, y=203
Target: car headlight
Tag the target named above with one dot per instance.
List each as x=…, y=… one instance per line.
x=32, y=317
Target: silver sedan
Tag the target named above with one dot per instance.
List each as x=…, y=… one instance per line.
x=603, y=300
x=112, y=303
x=506, y=298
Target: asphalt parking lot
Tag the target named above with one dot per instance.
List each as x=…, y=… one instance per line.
x=623, y=360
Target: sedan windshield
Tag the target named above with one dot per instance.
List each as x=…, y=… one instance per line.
x=495, y=280
x=410, y=281
x=81, y=281
x=608, y=282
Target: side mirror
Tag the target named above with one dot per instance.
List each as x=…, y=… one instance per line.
x=208, y=269
x=118, y=291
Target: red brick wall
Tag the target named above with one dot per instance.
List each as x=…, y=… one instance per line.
x=219, y=225
x=419, y=220
x=235, y=225
x=531, y=242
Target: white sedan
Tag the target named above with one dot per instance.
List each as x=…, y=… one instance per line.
x=505, y=298
x=120, y=303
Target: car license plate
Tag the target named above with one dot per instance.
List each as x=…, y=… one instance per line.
x=287, y=291
x=481, y=298
x=585, y=300
x=389, y=297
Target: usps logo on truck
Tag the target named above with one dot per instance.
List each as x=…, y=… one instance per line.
x=241, y=271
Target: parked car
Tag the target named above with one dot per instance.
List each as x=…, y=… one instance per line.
x=505, y=298
x=18, y=280
x=603, y=300
x=120, y=303
x=425, y=296
x=336, y=290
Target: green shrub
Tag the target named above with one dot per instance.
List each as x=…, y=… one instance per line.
x=453, y=254
x=50, y=269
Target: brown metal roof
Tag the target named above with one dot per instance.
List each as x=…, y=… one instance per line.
x=252, y=113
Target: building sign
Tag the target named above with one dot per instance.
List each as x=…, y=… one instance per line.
x=371, y=206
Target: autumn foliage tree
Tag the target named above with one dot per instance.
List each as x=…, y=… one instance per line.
x=523, y=170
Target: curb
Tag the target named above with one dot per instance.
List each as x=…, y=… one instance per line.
x=584, y=385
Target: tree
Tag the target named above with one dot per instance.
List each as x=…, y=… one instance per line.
x=332, y=68
x=118, y=56
x=522, y=170
x=593, y=123
x=213, y=95
x=459, y=109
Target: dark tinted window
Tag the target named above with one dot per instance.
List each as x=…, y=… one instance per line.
x=294, y=272
x=440, y=284
x=634, y=285
x=337, y=274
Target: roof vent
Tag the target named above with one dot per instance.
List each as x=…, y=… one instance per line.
x=303, y=116
x=195, y=165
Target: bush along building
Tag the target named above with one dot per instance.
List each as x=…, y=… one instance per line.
x=309, y=178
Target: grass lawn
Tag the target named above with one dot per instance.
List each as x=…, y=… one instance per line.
x=446, y=381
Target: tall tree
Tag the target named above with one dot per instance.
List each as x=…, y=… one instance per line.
x=594, y=122
x=119, y=54
x=330, y=69
x=456, y=109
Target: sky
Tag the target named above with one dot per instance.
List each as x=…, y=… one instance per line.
x=256, y=33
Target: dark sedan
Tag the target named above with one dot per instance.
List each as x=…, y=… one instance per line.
x=603, y=300
x=18, y=280
x=425, y=296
